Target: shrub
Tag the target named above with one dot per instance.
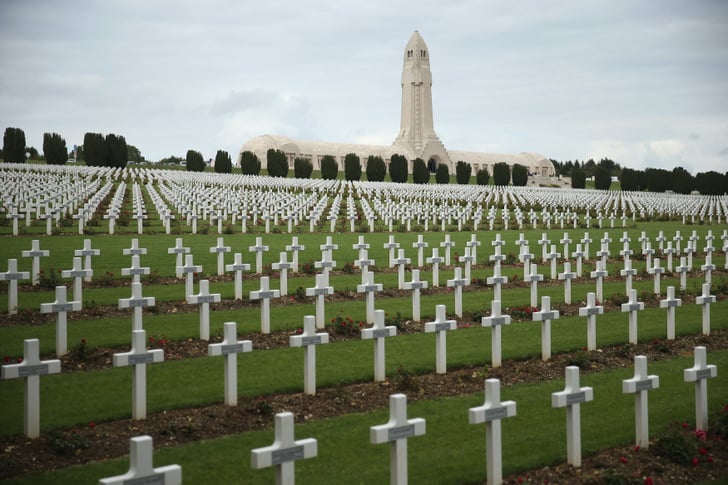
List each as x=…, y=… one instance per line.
x=302, y=168
x=398, y=168
x=442, y=174
x=501, y=173
x=420, y=174
x=249, y=163
x=195, y=162
x=329, y=167
x=223, y=163
x=519, y=175
x=277, y=163
x=463, y=171
x=352, y=167
x=376, y=168
x=482, y=176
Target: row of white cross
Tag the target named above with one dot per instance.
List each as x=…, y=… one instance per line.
x=286, y=450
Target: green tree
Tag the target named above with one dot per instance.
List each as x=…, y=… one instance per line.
x=398, y=168
x=482, y=177
x=376, y=168
x=302, y=168
x=54, y=149
x=578, y=178
x=14, y=145
x=629, y=180
x=420, y=174
x=223, y=162
x=352, y=167
x=519, y=175
x=682, y=181
x=442, y=174
x=602, y=178
x=277, y=163
x=195, y=162
x=116, y=150
x=95, y=150
x=710, y=183
x=249, y=163
x=134, y=154
x=658, y=179
x=32, y=153
x=329, y=167
x=501, y=173
x=463, y=171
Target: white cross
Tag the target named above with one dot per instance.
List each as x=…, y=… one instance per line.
x=396, y=432
x=628, y=272
x=379, y=332
x=590, y=311
x=458, y=282
x=706, y=299
x=189, y=270
x=545, y=315
x=179, y=250
x=447, y=244
x=320, y=291
x=670, y=302
x=708, y=267
x=283, y=266
x=571, y=398
x=689, y=250
x=633, y=306
x=141, y=469
x=497, y=280
x=639, y=385
x=284, y=451
x=491, y=413
x=578, y=254
x=138, y=358
x=554, y=257
x=329, y=246
x=295, y=248
x=238, y=267
x=585, y=241
x=230, y=347
x=683, y=269
x=544, y=242
x=309, y=339
x=496, y=257
x=603, y=254
x=134, y=249
x=626, y=252
x=326, y=264
x=699, y=373
x=525, y=257
x=669, y=251
x=15, y=215
x=566, y=277
x=401, y=261
x=220, y=249
x=363, y=262
x=468, y=259
x=137, y=302
x=204, y=298
x=656, y=270
x=566, y=240
x=36, y=253
x=435, y=261
x=135, y=271
x=391, y=245
x=87, y=253
x=12, y=276
x=533, y=278
x=600, y=273
x=415, y=285
x=369, y=287
x=61, y=307
x=258, y=249
x=78, y=274
x=474, y=243
x=264, y=294
x=495, y=321
x=31, y=369
x=677, y=240
x=440, y=327
x=420, y=245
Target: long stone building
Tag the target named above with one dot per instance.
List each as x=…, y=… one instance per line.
x=416, y=137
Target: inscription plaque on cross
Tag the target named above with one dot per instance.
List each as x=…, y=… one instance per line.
x=491, y=413
x=571, y=398
x=309, y=339
x=284, y=451
x=699, y=373
x=440, y=327
x=141, y=470
x=61, y=307
x=378, y=333
x=639, y=385
x=135, y=270
x=396, y=432
x=230, y=347
x=134, y=250
x=138, y=358
x=30, y=369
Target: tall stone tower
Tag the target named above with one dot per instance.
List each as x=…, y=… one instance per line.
x=416, y=131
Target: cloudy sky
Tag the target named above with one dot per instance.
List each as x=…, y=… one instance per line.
x=642, y=82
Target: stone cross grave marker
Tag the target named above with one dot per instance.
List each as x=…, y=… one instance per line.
x=497, y=257
x=571, y=398
x=699, y=373
x=670, y=302
x=326, y=264
x=134, y=250
x=203, y=299
x=415, y=285
x=179, y=251
x=497, y=280
x=309, y=339
x=657, y=271
x=544, y=242
x=230, y=347
x=135, y=270
x=391, y=245
x=36, y=253
x=579, y=255
x=533, y=278
x=295, y=248
x=189, y=270
x=566, y=277
x=628, y=272
x=677, y=239
x=137, y=302
x=420, y=245
x=468, y=260
x=12, y=276
x=401, y=261
x=220, y=249
x=87, y=252
x=585, y=242
x=396, y=432
x=639, y=385
x=590, y=311
x=669, y=251
x=633, y=306
x=320, y=292
x=141, y=470
x=491, y=413
x=78, y=274
x=566, y=240
x=495, y=321
x=708, y=267
x=553, y=256
x=30, y=369
x=363, y=262
x=458, y=282
x=238, y=267
x=284, y=451
x=264, y=294
x=440, y=327
x=138, y=358
x=689, y=250
x=283, y=266
x=447, y=244
x=369, y=287
x=705, y=300
x=378, y=333
x=435, y=261
x=525, y=257
x=545, y=315
x=61, y=307
x=600, y=273
x=683, y=269
x=259, y=248
x=474, y=243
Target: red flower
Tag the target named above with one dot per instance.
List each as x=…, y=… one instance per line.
x=703, y=451
x=685, y=425
x=649, y=481
x=519, y=479
x=695, y=461
x=636, y=448
x=20, y=359
x=299, y=331
x=623, y=459
x=709, y=459
x=92, y=425
x=343, y=324
x=151, y=340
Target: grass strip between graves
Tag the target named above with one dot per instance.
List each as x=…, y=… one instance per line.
x=451, y=451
